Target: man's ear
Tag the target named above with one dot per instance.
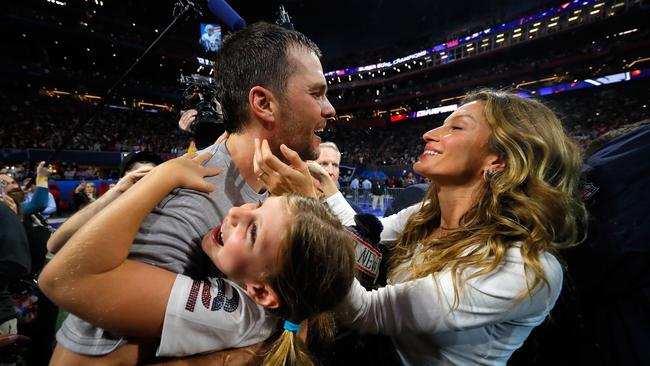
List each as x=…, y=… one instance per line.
x=263, y=294
x=263, y=105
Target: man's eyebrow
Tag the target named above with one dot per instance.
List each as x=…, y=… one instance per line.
x=319, y=86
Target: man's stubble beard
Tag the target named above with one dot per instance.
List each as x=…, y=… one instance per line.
x=288, y=130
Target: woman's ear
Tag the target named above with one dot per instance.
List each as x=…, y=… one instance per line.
x=262, y=103
x=495, y=163
x=263, y=294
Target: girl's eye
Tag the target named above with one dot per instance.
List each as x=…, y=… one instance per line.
x=253, y=233
x=456, y=128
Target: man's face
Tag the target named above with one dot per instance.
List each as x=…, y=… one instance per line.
x=11, y=186
x=330, y=160
x=304, y=108
x=10, y=183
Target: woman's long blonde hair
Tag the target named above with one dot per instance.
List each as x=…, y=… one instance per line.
x=534, y=201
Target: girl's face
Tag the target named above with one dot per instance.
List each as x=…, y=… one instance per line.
x=245, y=247
x=457, y=152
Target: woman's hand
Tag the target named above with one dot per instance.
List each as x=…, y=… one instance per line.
x=278, y=177
x=187, y=172
x=326, y=184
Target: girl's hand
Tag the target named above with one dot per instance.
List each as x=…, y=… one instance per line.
x=131, y=178
x=278, y=177
x=187, y=172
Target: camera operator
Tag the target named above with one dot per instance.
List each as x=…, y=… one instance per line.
x=201, y=113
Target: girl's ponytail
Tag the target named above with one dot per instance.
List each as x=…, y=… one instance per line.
x=288, y=349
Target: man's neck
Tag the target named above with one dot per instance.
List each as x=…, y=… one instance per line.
x=242, y=149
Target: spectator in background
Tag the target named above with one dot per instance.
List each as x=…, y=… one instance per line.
x=29, y=188
x=377, y=191
x=84, y=194
x=330, y=159
x=354, y=183
x=136, y=160
x=14, y=264
x=40, y=197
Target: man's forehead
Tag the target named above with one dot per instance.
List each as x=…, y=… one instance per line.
x=306, y=62
x=324, y=150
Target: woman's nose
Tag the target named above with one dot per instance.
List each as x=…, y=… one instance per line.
x=431, y=135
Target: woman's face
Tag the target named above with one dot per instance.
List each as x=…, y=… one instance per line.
x=90, y=189
x=457, y=152
x=245, y=246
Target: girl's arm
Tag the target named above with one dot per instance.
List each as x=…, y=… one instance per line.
x=91, y=276
x=74, y=223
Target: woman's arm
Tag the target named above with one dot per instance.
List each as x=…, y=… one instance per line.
x=426, y=305
x=91, y=277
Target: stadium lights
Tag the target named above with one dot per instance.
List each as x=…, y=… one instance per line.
x=598, y=5
x=573, y=18
x=594, y=12
x=551, y=25
x=628, y=31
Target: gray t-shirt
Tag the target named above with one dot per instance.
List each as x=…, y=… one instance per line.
x=170, y=237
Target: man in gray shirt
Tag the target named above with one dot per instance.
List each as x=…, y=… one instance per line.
x=271, y=86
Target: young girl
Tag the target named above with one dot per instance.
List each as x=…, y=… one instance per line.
x=285, y=260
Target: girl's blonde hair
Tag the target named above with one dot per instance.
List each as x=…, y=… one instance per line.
x=534, y=201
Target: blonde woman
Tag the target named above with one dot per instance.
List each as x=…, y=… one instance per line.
x=474, y=266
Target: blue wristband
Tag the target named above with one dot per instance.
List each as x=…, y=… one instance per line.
x=292, y=327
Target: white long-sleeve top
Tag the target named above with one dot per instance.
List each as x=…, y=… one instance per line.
x=488, y=324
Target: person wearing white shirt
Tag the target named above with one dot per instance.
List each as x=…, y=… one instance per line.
x=473, y=267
